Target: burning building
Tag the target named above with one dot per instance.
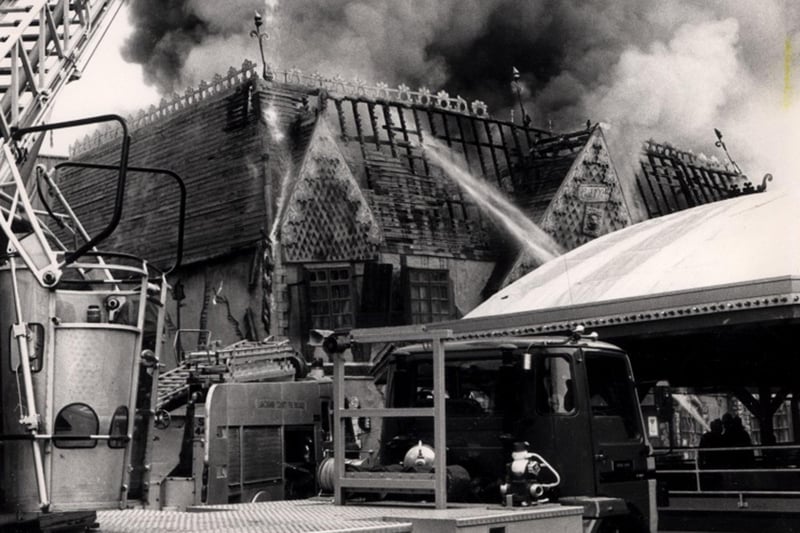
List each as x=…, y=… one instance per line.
x=311, y=202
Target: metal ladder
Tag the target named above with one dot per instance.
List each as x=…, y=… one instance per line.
x=43, y=45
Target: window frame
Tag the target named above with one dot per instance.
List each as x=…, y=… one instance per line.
x=539, y=382
x=458, y=384
x=331, y=316
x=72, y=443
x=413, y=316
x=622, y=393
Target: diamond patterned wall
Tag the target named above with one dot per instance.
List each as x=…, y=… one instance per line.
x=327, y=218
x=588, y=203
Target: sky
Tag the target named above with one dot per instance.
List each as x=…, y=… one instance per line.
x=109, y=85
x=671, y=70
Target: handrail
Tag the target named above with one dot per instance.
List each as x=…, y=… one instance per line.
x=143, y=269
x=735, y=492
x=435, y=481
x=726, y=470
x=682, y=449
x=150, y=170
x=711, y=475
x=17, y=134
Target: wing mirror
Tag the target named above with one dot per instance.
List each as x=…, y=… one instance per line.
x=662, y=395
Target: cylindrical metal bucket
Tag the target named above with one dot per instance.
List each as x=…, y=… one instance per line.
x=83, y=371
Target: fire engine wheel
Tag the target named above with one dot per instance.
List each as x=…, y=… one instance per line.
x=260, y=496
x=162, y=419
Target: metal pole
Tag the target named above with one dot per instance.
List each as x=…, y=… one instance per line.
x=134, y=388
x=339, y=432
x=148, y=447
x=261, y=36
x=20, y=331
x=439, y=426
x=523, y=116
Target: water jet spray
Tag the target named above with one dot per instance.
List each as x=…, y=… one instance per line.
x=541, y=246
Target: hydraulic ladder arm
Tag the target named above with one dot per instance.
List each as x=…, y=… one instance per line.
x=43, y=45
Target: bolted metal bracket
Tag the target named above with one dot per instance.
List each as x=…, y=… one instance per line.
x=31, y=422
x=742, y=503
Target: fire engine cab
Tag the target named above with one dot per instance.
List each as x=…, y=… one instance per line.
x=567, y=405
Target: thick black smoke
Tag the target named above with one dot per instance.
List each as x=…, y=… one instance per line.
x=465, y=46
x=670, y=70
x=167, y=32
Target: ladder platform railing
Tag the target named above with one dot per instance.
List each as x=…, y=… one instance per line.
x=436, y=481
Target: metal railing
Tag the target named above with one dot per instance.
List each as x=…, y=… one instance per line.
x=751, y=470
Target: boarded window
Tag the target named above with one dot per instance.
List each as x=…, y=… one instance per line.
x=428, y=295
x=330, y=296
x=376, y=296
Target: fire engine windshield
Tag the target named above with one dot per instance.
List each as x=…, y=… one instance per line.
x=492, y=384
x=471, y=386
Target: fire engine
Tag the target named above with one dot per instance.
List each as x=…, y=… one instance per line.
x=475, y=397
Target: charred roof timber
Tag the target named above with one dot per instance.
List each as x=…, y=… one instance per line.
x=356, y=89
x=671, y=179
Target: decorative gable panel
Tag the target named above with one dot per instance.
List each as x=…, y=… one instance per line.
x=589, y=202
x=327, y=217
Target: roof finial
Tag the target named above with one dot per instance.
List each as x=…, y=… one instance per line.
x=517, y=86
x=721, y=144
x=261, y=36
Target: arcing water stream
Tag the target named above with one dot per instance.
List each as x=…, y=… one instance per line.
x=686, y=404
x=539, y=244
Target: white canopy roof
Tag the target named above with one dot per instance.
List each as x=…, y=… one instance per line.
x=752, y=237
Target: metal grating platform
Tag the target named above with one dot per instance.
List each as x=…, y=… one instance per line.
x=268, y=517
x=314, y=516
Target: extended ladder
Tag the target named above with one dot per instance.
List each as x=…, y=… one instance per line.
x=43, y=45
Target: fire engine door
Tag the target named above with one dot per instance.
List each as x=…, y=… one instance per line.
x=555, y=420
x=617, y=439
